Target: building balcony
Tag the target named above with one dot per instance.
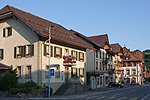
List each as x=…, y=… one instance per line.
x=69, y=61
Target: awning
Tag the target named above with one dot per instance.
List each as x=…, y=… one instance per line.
x=3, y=66
x=54, y=65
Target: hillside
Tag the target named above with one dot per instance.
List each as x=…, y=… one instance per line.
x=147, y=58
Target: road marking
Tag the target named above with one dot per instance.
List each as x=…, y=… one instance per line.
x=145, y=97
x=91, y=97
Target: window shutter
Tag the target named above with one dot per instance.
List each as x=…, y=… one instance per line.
x=44, y=50
x=32, y=49
x=79, y=56
x=83, y=56
x=51, y=51
x=10, y=31
x=60, y=52
x=23, y=51
x=71, y=52
x=15, y=52
x=54, y=51
x=4, y=32
x=2, y=54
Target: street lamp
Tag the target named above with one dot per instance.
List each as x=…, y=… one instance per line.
x=49, y=33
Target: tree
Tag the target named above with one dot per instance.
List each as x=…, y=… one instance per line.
x=8, y=80
x=147, y=58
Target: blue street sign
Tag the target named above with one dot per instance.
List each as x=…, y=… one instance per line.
x=51, y=72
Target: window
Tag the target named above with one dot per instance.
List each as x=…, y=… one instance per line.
x=96, y=65
x=29, y=50
x=128, y=71
x=100, y=66
x=81, y=72
x=7, y=31
x=100, y=56
x=96, y=54
x=18, y=52
x=134, y=64
x=28, y=74
x=19, y=71
x=81, y=56
x=23, y=51
x=109, y=67
x=101, y=80
x=57, y=52
x=46, y=50
x=66, y=52
x=103, y=54
x=133, y=71
x=46, y=71
x=57, y=72
x=74, y=54
x=1, y=54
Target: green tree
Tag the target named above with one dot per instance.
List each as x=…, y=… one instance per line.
x=147, y=58
x=8, y=80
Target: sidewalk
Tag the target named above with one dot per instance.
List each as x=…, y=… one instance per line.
x=79, y=94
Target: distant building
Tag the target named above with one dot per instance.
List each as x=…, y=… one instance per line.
x=117, y=58
x=132, y=66
x=100, y=67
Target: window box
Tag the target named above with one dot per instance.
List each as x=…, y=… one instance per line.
x=18, y=55
x=81, y=59
x=46, y=53
x=29, y=54
x=57, y=55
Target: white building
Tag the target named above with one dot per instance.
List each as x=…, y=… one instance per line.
x=132, y=67
x=23, y=46
x=100, y=67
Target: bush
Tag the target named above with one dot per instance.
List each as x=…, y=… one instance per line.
x=8, y=80
x=20, y=90
x=24, y=88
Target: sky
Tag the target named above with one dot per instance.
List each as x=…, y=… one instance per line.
x=126, y=22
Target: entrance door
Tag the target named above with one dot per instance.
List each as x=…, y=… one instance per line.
x=66, y=73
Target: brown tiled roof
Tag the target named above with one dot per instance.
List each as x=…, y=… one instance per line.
x=139, y=55
x=40, y=25
x=116, y=48
x=100, y=39
x=129, y=55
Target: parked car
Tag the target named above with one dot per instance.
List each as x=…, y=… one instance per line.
x=115, y=84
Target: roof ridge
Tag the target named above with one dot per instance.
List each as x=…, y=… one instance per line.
x=98, y=35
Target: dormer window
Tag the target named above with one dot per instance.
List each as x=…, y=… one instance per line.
x=7, y=31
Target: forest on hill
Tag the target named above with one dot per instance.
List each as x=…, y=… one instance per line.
x=147, y=58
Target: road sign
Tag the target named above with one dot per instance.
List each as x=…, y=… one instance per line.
x=51, y=72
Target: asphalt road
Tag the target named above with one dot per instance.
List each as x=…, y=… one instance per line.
x=125, y=93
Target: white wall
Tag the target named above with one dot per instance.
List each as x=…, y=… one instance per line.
x=21, y=35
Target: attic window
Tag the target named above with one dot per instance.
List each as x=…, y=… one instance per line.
x=7, y=31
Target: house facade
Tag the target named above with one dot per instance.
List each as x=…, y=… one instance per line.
x=24, y=46
x=132, y=67
x=117, y=59
x=100, y=65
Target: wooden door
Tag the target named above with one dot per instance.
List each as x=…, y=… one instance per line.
x=67, y=73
